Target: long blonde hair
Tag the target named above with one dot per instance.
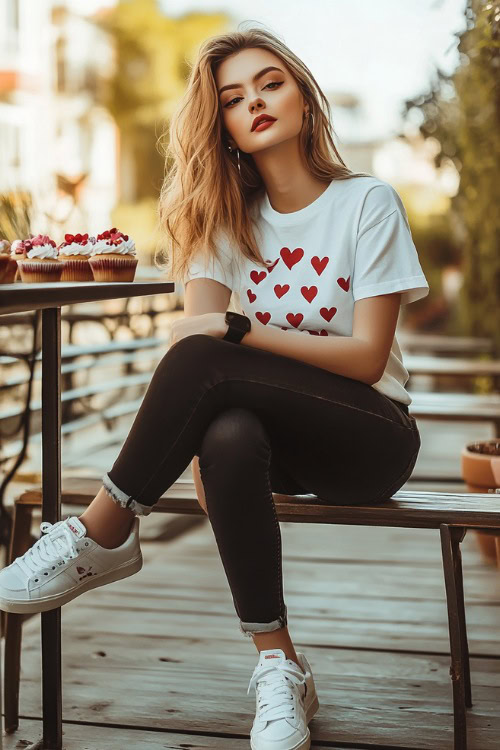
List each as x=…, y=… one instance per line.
x=203, y=192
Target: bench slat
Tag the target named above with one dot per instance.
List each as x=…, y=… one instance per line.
x=113, y=360
x=127, y=381
x=455, y=406
x=424, y=510
x=123, y=408
x=419, y=364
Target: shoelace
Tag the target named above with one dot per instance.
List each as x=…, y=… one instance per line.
x=58, y=543
x=276, y=689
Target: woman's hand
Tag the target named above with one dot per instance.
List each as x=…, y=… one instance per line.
x=212, y=324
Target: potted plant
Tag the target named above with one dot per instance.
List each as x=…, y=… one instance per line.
x=481, y=473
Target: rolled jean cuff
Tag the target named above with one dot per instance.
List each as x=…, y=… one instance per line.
x=250, y=628
x=124, y=500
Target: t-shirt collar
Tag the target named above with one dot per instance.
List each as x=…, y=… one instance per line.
x=295, y=217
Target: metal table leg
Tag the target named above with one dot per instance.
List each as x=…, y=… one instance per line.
x=51, y=511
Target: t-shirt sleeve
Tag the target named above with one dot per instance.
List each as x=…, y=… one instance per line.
x=386, y=258
x=220, y=269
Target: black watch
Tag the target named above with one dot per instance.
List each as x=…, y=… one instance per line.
x=238, y=326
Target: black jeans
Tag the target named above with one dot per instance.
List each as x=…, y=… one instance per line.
x=260, y=423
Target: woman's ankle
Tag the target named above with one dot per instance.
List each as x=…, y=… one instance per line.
x=107, y=523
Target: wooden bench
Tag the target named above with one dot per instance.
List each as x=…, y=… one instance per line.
x=451, y=513
x=421, y=364
x=74, y=358
x=457, y=407
x=82, y=405
x=437, y=343
x=455, y=369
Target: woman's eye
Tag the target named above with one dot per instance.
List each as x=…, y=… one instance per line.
x=272, y=83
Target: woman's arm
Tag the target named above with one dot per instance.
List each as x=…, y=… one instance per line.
x=362, y=356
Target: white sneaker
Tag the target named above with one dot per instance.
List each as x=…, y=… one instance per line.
x=63, y=564
x=286, y=702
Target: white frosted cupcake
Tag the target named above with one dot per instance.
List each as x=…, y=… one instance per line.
x=75, y=253
x=41, y=261
x=113, y=257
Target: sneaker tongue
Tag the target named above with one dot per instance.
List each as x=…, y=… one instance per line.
x=76, y=526
x=272, y=656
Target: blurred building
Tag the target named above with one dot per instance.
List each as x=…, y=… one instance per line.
x=56, y=139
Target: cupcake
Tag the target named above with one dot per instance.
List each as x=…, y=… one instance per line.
x=8, y=263
x=113, y=257
x=17, y=251
x=41, y=261
x=74, y=253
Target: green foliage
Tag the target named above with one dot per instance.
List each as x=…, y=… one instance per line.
x=478, y=89
x=153, y=58
x=463, y=113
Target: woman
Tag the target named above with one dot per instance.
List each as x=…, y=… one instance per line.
x=301, y=393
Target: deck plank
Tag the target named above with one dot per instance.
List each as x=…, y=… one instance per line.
x=158, y=658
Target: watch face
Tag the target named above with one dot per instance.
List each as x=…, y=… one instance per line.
x=241, y=322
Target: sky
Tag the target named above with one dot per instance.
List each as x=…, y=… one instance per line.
x=383, y=51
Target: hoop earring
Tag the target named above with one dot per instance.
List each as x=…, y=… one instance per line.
x=239, y=167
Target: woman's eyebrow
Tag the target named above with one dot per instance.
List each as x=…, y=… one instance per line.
x=255, y=78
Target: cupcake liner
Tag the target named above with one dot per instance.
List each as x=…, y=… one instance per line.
x=114, y=268
x=4, y=262
x=10, y=272
x=36, y=271
x=76, y=270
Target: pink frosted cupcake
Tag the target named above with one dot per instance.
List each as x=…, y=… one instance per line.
x=75, y=253
x=41, y=262
x=113, y=257
x=8, y=263
x=17, y=252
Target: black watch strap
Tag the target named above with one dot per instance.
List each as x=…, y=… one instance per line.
x=238, y=326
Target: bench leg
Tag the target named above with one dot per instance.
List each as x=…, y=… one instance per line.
x=460, y=669
x=20, y=543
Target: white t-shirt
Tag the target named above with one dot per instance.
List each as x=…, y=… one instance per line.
x=354, y=241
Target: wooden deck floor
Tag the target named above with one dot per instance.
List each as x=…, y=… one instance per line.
x=157, y=660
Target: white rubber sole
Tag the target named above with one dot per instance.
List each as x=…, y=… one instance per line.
x=304, y=744
x=57, y=600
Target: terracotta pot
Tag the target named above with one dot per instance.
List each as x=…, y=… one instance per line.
x=481, y=473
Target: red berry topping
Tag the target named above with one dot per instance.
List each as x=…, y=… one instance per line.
x=113, y=236
x=41, y=239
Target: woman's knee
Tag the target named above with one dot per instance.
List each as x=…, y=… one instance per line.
x=235, y=438
x=197, y=343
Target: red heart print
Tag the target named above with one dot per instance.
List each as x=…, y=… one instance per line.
x=258, y=276
x=291, y=258
x=281, y=289
x=327, y=313
x=319, y=333
x=319, y=265
x=251, y=296
x=309, y=292
x=270, y=268
x=263, y=317
x=295, y=319
x=344, y=283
